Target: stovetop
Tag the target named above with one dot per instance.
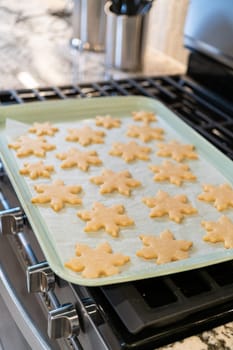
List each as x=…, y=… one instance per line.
x=186, y=302
x=211, y=116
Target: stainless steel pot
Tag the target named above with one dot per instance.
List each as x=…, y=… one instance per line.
x=89, y=21
x=125, y=39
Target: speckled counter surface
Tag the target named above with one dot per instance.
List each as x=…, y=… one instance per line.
x=219, y=338
x=34, y=39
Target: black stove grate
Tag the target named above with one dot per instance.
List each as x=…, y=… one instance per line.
x=166, y=308
x=210, y=116
x=150, y=313
x=161, y=301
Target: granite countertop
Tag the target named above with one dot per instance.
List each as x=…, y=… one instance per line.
x=35, y=51
x=35, y=44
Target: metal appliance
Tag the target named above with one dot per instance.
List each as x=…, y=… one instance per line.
x=54, y=314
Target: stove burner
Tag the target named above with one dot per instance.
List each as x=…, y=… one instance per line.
x=147, y=313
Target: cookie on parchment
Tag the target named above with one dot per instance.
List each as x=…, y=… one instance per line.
x=221, y=196
x=111, y=219
x=176, y=207
x=76, y=158
x=173, y=172
x=164, y=248
x=144, y=116
x=145, y=133
x=111, y=181
x=26, y=146
x=41, y=129
x=177, y=151
x=96, y=262
x=85, y=136
x=130, y=151
x=107, y=121
x=57, y=194
x=36, y=169
x=219, y=231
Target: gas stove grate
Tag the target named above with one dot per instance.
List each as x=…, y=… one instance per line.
x=203, y=111
x=189, y=301
x=161, y=301
x=154, y=312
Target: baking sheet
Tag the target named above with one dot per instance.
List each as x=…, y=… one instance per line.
x=58, y=233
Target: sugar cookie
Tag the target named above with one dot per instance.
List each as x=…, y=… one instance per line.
x=27, y=146
x=108, y=218
x=57, y=194
x=96, y=262
x=174, y=172
x=74, y=157
x=145, y=133
x=111, y=181
x=221, y=196
x=219, y=231
x=107, y=121
x=164, y=248
x=41, y=129
x=176, y=207
x=130, y=151
x=144, y=116
x=37, y=169
x=85, y=136
x=177, y=151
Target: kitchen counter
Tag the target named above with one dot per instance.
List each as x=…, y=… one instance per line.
x=219, y=338
x=35, y=51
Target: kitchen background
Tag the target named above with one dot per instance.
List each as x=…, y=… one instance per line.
x=35, y=51
x=35, y=44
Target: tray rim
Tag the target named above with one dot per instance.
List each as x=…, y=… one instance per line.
x=35, y=108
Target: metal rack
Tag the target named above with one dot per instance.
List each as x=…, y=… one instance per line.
x=203, y=111
x=179, y=297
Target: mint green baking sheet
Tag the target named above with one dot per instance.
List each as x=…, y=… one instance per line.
x=58, y=233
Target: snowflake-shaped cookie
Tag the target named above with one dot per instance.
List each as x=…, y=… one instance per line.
x=37, y=169
x=96, y=262
x=26, y=146
x=130, y=151
x=176, y=207
x=164, y=248
x=177, y=151
x=107, y=121
x=85, y=136
x=144, y=116
x=145, y=133
x=74, y=157
x=221, y=196
x=108, y=218
x=111, y=181
x=43, y=129
x=57, y=194
x=174, y=172
x=220, y=231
